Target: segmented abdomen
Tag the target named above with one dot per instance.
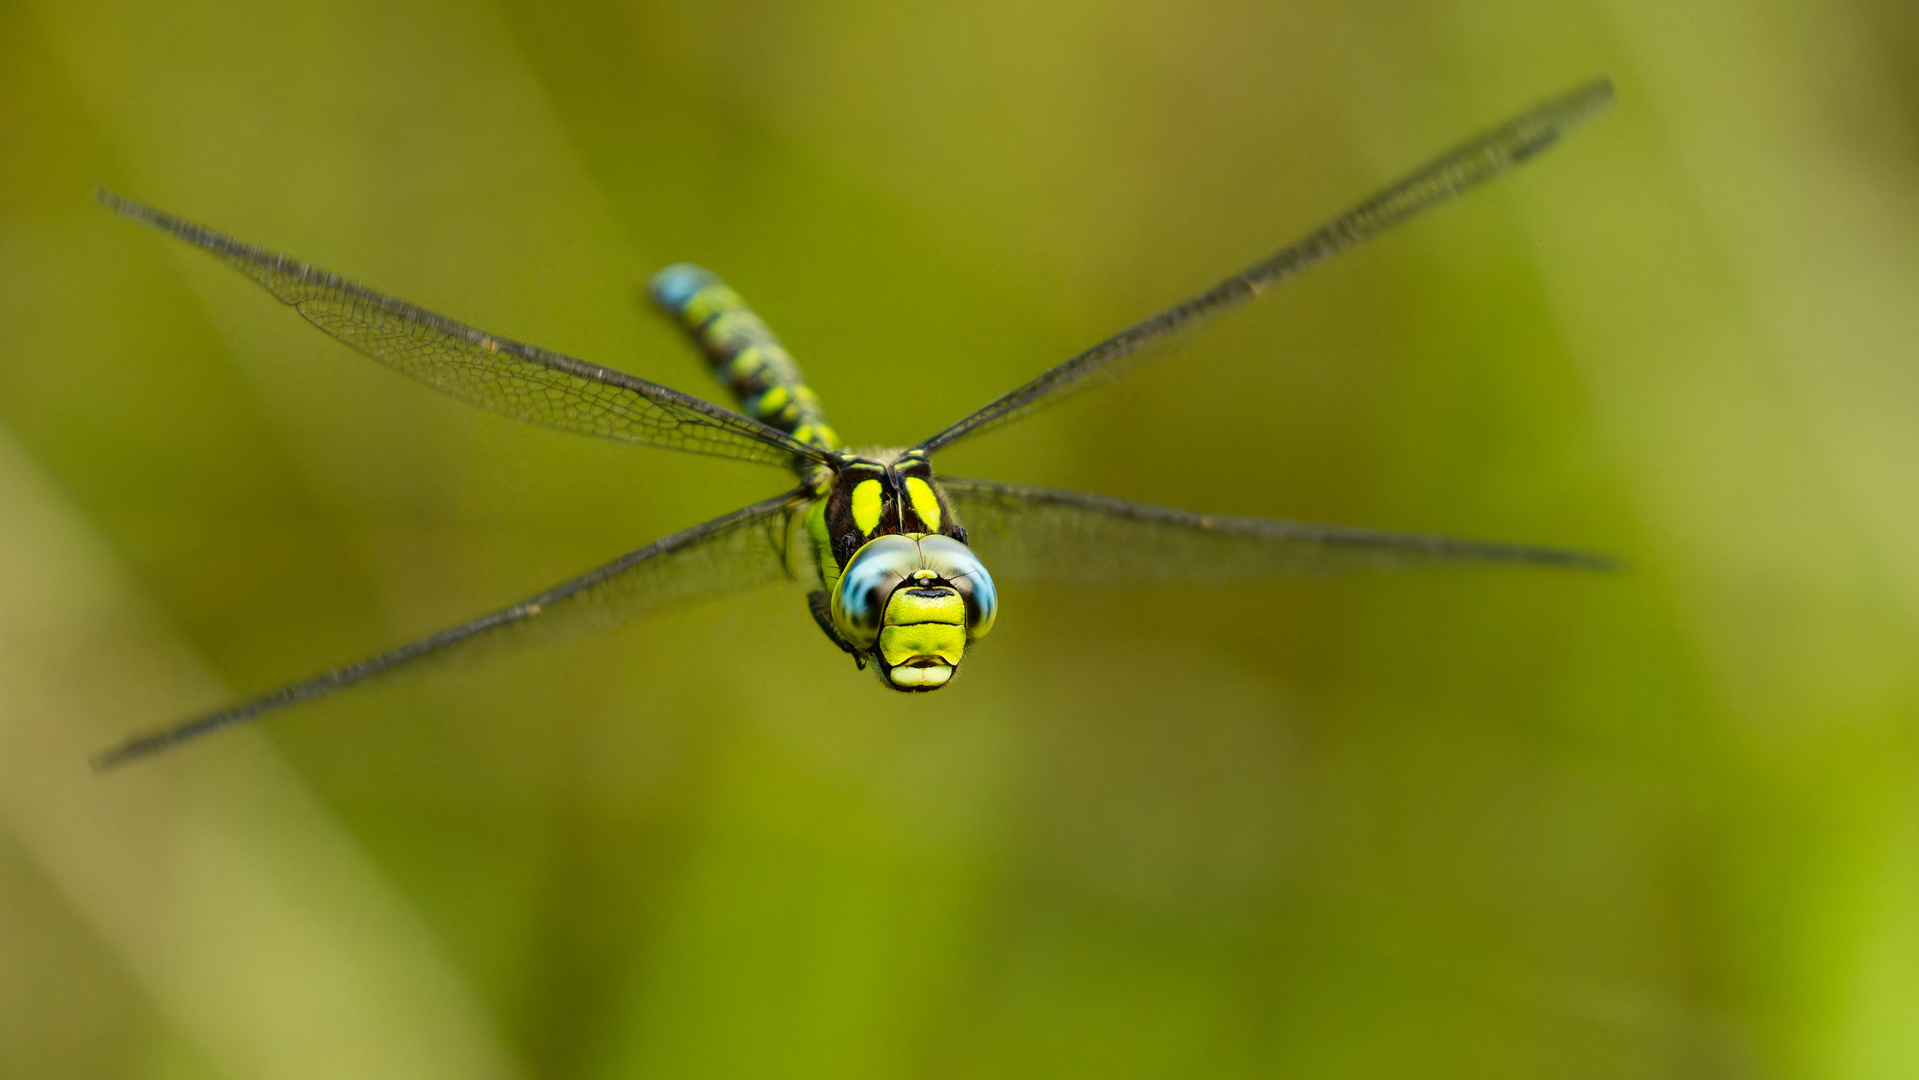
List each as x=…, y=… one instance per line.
x=744, y=353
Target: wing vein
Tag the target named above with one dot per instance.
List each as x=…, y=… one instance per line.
x=521, y=381
x=1458, y=170
x=1048, y=534
x=729, y=571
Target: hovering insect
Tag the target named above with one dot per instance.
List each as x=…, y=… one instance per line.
x=891, y=545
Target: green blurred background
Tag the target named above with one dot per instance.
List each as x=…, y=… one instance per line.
x=1464, y=824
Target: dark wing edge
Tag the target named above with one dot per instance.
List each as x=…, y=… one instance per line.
x=509, y=377
x=1036, y=534
x=619, y=590
x=1460, y=169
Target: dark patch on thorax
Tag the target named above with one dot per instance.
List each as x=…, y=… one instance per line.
x=897, y=513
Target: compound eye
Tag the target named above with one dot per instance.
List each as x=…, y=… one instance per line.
x=956, y=563
x=870, y=577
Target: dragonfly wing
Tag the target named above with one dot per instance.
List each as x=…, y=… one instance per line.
x=518, y=380
x=1452, y=173
x=1036, y=534
x=742, y=550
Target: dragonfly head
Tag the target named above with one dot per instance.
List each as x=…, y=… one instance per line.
x=913, y=602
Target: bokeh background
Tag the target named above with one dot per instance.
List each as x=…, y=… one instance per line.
x=1463, y=824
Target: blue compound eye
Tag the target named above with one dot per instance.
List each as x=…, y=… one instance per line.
x=959, y=567
x=870, y=577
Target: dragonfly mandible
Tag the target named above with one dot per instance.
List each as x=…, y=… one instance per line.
x=897, y=554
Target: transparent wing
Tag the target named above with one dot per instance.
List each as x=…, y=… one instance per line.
x=742, y=550
x=1458, y=170
x=1037, y=534
x=521, y=381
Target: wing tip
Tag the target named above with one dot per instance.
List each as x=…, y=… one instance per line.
x=109, y=760
x=1592, y=100
x=155, y=742
x=1572, y=559
x=1599, y=89
x=198, y=235
x=1541, y=556
x=122, y=205
x=129, y=751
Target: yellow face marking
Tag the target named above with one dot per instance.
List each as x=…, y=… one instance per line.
x=898, y=644
x=925, y=503
x=866, y=506
x=909, y=606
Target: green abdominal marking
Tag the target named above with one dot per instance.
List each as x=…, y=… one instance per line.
x=744, y=354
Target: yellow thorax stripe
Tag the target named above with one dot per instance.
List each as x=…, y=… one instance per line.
x=925, y=502
x=866, y=506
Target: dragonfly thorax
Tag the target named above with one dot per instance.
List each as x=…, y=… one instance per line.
x=880, y=495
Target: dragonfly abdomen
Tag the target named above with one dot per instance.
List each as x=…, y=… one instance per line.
x=744, y=354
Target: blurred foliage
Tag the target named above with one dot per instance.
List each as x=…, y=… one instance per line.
x=1468, y=824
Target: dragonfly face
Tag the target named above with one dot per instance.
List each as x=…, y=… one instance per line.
x=900, y=585
x=913, y=602
x=902, y=589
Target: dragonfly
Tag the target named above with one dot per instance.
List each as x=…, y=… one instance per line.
x=894, y=555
